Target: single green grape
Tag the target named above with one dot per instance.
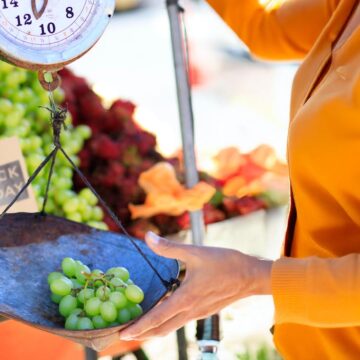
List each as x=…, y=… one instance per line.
x=71, y=322
x=35, y=142
x=92, y=306
x=64, y=183
x=6, y=106
x=59, y=95
x=117, y=282
x=67, y=305
x=68, y=266
x=124, y=316
x=50, y=205
x=77, y=311
x=85, y=210
x=135, y=310
x=84, y=131
x=119, y=272
x=108, y=311
x=74, y=146
x=75, y=160
x=85, y=324
x=85, y=294
x=56, y=298
x=65, y=172
x=33, y=161
x=88, y=195
x=134, y=294
x=41, y=114
x=98, y=225
x=103, y=292
x=62, y=196
x=71, y=205
x=14, y=79
x=5, y=68
x=53, y=276
x=97, y=272
x=118, y=299
x=61, y=286
x=97, y=213
x=76, y=217
x=81, y=269
x=99, y=322
x=76, y=284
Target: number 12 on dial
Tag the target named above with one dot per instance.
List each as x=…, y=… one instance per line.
x=46, y=34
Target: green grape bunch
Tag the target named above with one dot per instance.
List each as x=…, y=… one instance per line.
x=94, y=299
x=24, y=114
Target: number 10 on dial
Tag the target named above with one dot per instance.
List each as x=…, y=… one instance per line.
x=45, y=35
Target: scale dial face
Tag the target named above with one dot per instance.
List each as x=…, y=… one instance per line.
x=48, y=34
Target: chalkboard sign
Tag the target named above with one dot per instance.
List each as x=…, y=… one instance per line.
x=13, y=176
x=11, y=182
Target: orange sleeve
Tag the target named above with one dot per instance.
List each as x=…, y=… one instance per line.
x=317, y=292
x=276, y=29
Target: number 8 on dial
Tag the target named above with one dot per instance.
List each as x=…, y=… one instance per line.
x=48, y=34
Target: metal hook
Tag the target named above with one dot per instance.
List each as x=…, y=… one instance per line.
x=53, y=84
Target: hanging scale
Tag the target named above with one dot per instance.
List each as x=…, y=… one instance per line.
x=44, y=36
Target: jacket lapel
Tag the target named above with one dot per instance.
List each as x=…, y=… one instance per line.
x=304, y=82
x=312, y=67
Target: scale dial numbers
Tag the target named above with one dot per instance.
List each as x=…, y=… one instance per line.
x=45, y=22
x=48, y=34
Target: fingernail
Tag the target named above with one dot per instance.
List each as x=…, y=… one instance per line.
x=153, y=237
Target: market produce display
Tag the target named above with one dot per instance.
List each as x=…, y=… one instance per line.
x=94, y=299
x=23, y=114
x=119, y=153
x=118, y=150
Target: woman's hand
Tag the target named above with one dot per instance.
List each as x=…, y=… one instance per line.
x=215, y=278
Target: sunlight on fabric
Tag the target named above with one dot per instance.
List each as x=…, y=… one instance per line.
x=270, y=5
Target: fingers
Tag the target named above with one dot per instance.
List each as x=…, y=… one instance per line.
x=169, y=249
x=167, y=327
x=170, y=308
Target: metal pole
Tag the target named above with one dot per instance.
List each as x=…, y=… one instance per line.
x=90, y=354
x=186, y=115
x=207, y=345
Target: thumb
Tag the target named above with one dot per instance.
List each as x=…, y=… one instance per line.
x=169, y=249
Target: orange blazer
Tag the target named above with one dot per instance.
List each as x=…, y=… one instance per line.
x=316, y=287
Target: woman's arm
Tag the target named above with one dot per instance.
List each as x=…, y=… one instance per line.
x=276, y=29
x=312, y=291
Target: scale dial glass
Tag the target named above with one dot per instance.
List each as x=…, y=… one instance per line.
x=45, y=34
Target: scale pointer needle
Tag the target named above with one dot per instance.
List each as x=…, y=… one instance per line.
x=38, y=14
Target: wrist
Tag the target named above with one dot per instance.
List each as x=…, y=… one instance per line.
x=261, y=276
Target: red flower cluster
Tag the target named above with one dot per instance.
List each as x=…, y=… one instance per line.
x=119, y=151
